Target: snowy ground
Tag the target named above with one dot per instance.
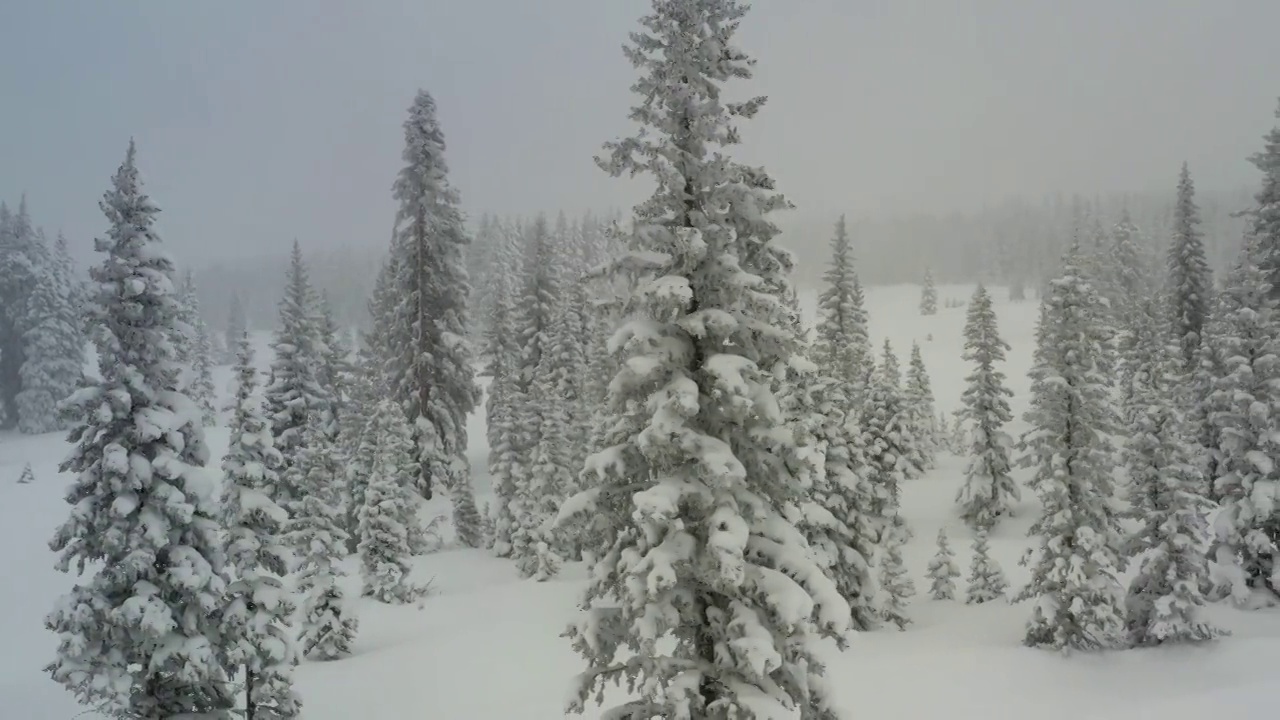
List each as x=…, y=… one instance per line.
x=486, y=644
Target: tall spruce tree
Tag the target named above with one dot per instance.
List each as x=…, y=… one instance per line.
x=504, y=402
x=23, y=258
x=53, y=357
x=258, y=608
x=842, y=348
x=694, y=428
x=1164, y=601
x=432, y=375
x=918, y=395
x=1190, y=283
x=294, y=392
x=989, y=489
x=388, y=518
x=836, y=516
x=1246, y=429
x=327, y=623
x=142, y=637
x=1266, y=216
x=237, y=326
x=1078, y=599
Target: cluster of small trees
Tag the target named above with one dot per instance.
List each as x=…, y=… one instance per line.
x=41, y=329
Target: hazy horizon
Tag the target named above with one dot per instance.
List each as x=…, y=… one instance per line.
x=261, y=123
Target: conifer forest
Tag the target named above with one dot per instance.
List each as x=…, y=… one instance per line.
x=723, y=361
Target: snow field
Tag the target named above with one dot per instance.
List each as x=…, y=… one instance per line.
x=486, y=645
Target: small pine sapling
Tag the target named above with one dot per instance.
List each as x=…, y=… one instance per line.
x=986, y=579
x=27, y=475
x=943, y=571
x=895, y=583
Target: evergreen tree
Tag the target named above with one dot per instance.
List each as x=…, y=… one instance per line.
x=836, y=519
x=928, y=295
x=237, y=326
x=1073, y=580
x=294, y=392
x=389, y=512
x=503, y=405
x=843, y=350
x=258, y=608
x=1190, y=279
x=1164, y=599
x=202, y=373
x=1266, y=217
x=989, y=489
x=335, y=370
x=695, y=435
x=986, y=579
x=943, y=571
x=328, y=625
x=1247, y=405
x=28, y=476
x=142, y=636
x=432, y=376
x=920, y=407
x=891, y=447
x=23, y=258
x=53, y=361
x=895, y=583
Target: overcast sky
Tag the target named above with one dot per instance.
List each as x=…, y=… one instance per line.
x=259, y=122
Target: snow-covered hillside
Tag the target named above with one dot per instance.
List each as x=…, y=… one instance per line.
x=486, y=644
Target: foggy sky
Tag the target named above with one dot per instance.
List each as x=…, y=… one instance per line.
x=259, y=122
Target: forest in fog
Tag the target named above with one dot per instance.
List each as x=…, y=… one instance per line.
x=686, y=460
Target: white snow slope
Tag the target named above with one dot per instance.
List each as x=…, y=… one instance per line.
x=486, y=644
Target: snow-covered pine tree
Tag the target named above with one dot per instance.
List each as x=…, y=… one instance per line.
x=842, y=348
x=28, y=476
x=693, y=422
x=1246, y=422
x=890, y=369
x=327, y=624
x=1078, y=598
x=834, y=518
x=432, y=377
x=237, y=326
x=294, y=392
x=142, y=637
x=335, y=370
x=388, y=517
x=928, y=294
x=891, y=446
x=986, y=579
x=71, y=282
x=989, y=489
x=1190, y=279
x=258, y=607
x=53, y=352
x=23, y=257
x=896, y=586
x=1165, y=597
x=943, y=570
x=1266, y=216
x=503, y=404
x=200, y=382
x=919, y=399
x=555, y=409
x=1202, y=403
